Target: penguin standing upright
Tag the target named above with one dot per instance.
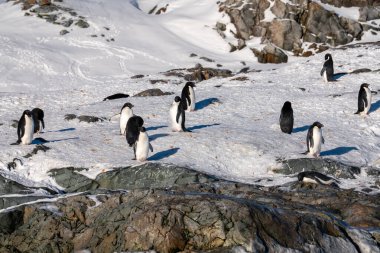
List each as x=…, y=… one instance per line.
x=125, y=113
x=25, y=128
x=364, y=99
x=133, y=130
x=142, y=145
x=188, y=96
x=327, y=71
x=314, y=139
x=286, y=118
x=38, y=118
x=177, y=115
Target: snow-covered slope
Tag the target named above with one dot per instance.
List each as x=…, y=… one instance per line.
x=237, y=137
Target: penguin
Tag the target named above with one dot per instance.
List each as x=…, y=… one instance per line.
x=38, y=118
x=364, y=99
x=188, y=96
x=25, y=128
x=125, y=113
x=177, y=115
x=286, y=118
x=316, y=178
x=132, y=131
x=327, y=71
x=314, y=139
x=142, y=145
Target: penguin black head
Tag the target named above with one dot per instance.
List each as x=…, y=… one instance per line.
x=328, y=57
x=129, y=105
x=300, y=176
x=192, y=84
x=318, y=124
x=287, y=104
x=38, y=113
x=364, y=85
x=177, y=99
x=142, y=129
x=27, y=113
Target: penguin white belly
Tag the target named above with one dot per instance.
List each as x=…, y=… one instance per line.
x=325, y=76
x=176, y=127
x=191, y=107
x=309, y=180
x=369, y=99
x=124, y=117
x=27, y=138
x=317, y=139
x=142, y=147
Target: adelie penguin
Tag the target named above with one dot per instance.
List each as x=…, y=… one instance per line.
x=133, y=131
x=364, y=99
x=142, y=145
x=286, y=118
x=177, y=115
x=314, y=139
x=125, y=113
x=25, y=128
x=188, y=96
x=38, y=118
x=327, y=71
x=315, y=177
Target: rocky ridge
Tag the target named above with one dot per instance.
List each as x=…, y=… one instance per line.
x=167, y=208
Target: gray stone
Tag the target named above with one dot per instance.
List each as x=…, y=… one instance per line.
x=82, y=24
x=63, y=32
x=70, y=179
x=152, y=92
x=285, y=34
x=69, y=117
x=270, y=54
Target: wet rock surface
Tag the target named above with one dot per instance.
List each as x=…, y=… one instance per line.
x=152, y=93
x=167, y=208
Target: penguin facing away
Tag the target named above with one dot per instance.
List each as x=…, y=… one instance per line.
x=314, y=139
x=125, y=113
x=25, y=128
x=286, y=118
x=315, y=177
x=38, y=118
x=142, y=145
x=133, y=130
x=177, y=115
x=188, y=96
x=327, y=71
x=364, y=99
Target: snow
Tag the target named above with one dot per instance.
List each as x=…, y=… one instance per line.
x=351, y=13
x=237, y=138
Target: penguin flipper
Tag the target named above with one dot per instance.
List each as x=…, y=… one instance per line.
x=150, y=147
x=43, y=124
x=310, y=142
x=323, y=70
x=323, y=140
x=179, y=112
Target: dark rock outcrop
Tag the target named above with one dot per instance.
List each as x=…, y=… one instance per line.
x=270, y=54
x=152, y=93
x=169, y=209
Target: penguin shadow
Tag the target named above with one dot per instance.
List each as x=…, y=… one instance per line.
x=204, y=103
x=300, y=129
x=156, y=136
x=202, y=126
x=338, y=151
x=154, y=128
x=61, y=130
x=375, y=106
x=339, y=75
x=37, y=141
x=163, y=154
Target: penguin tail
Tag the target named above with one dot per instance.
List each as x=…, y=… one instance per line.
x=305, y=153
x=357, y=112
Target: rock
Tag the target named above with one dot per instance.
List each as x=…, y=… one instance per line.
x=8, y=186
x=285, y=34
x=152, y=92
x=137, y=76
x=38, y=147
x=67, y=23
x=70, y=179
x=82, y=24
x=193, y=55
x=352, y=3
x=328, y=166
x=14, y=123
x=240, y=78
x=368, y=13
x=363, y=70
x=63, y=32
x=69, y=117
x=206, y=59
x=44, y=2
x=116, y=96
x=90, y=119
x=158, y=81
x=270, y=54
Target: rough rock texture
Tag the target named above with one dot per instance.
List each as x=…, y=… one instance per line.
x=152, y=92
x=199, y=73
x=270, y=54
x=295, y=22
x=170, y=209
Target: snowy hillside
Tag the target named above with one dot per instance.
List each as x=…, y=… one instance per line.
x=235, y=132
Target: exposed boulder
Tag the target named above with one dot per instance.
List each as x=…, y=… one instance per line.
x=152, y=93
x=285, y=34
x=270, y=54
x=369, y=13
x=352, y=3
